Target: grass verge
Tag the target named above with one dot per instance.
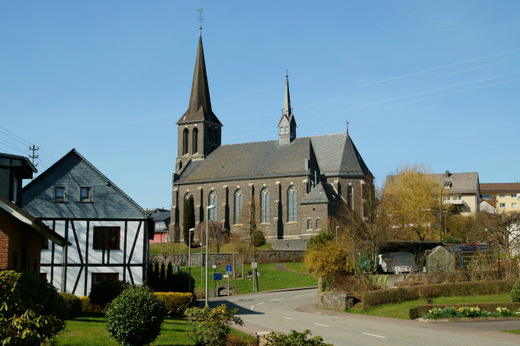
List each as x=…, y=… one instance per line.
x=400, y=310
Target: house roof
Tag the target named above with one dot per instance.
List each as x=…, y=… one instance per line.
x=331, y=155
x=22, y=163
x=499, y=187
x=460, y=182
x=31, y=221
x=321, y=193
x=73, y=171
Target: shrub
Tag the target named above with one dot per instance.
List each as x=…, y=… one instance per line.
x=31, y=310
x=293, y=338
x=428, y=293
x=258, y=238
x=72, y=303
x=515, y=292
x=211, y=326
x=422, y=310
x=87, y=306
x=176, y=303
x=135, y=316
x=104, y=292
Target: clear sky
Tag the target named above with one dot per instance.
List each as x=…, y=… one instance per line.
x=429, y=82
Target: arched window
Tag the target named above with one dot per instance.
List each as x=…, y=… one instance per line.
x=195, y=141
x=309, y=224
x=185, y=135
x=187, y=195
x=213, y=201
x=239, y=202
x=292, y=213
x=264, y=206
x=350, y=193
x=318, y=224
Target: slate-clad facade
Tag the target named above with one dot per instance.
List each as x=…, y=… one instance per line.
x=297, y=183
x=108, y=231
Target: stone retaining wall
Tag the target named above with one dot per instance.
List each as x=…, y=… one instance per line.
x=336, y=301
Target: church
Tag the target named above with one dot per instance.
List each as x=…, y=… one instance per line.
x=297, y=184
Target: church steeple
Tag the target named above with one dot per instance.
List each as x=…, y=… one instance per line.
x=287, y=123
x=199, y=130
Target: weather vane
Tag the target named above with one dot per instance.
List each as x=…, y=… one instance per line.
x=200, y=17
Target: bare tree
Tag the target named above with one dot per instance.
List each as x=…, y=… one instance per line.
x=503, y=230
x=218, y=234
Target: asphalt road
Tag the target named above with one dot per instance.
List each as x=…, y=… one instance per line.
x=283, y=311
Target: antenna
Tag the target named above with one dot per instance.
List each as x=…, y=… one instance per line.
x=33, y=156
x=200, y=18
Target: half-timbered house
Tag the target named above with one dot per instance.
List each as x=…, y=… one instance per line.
x=108, y=231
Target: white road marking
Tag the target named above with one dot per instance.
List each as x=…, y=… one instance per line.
x=302, y=295
x=287, y=318
x=276, y=299
x=252, y=307
x=321, y=325
x=375, y=335
x=260, y=303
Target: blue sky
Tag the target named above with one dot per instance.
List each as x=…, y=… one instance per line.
x=429, y=82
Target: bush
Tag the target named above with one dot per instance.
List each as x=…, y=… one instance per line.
x=104, y=292
x=258, y=238
x=293, y=338
x=422, y=310
x=211, y=326
x=176, y=303
x=87, y=306
x=428, y=293
x=135, y=316
x=72, y=303
x=515, y=292
x=31, y=310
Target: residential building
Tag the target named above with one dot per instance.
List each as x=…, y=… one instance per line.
x=161, y=218
x=108, y=231
x=505, y=197
x=21, y=234
x=295, y=183
x=461, y=190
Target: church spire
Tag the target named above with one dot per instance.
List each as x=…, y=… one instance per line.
x=287, y=123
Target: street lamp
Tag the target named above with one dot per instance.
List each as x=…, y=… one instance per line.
x=189, y=258
x=201, y=260
x=206, y=303
x=337, y=233
x=214, y=269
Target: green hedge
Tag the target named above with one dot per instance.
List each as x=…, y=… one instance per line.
x=73, y=304
x=176, y=303
x=402, y=294
x=87, y=306
x=422, y=310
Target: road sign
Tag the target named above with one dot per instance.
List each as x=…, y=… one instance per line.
x=217, y=276
x=229, y=269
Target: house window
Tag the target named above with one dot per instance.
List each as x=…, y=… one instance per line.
x=318, y=224
x=514, y=205
x=513, y=195
x=502, y=195
x=213, y=201
x=447, y=184
x=98, y=278
x=502, y=205
x=185, y=136
x=239, y=201
x=309, y=224
x=487, y=196
x=264, y=205
x=84, y=194
x=107, y=238
x=350, y=194
x=292, y=214
x=59, y=194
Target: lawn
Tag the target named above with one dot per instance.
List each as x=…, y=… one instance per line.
x=91, y=330
x=400, y=310
x=270, y=278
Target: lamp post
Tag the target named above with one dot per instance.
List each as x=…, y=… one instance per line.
x=201, y=260
x=206, y=303
x=337, y=233
x=189, y=258
x=214, y=269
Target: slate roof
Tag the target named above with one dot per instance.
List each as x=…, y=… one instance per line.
x=331, y=154
x=321, y=193
x=461, y=182
x=72, y=172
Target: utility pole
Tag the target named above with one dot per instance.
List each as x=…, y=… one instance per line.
x=32, y=156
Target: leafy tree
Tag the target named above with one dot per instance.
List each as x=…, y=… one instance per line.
x=326, y=259
x=135, y=316
x=210, y=326
x=411, y=200
x=31, y=310
x=188, y=220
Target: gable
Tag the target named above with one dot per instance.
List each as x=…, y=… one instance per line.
x=74, y=172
